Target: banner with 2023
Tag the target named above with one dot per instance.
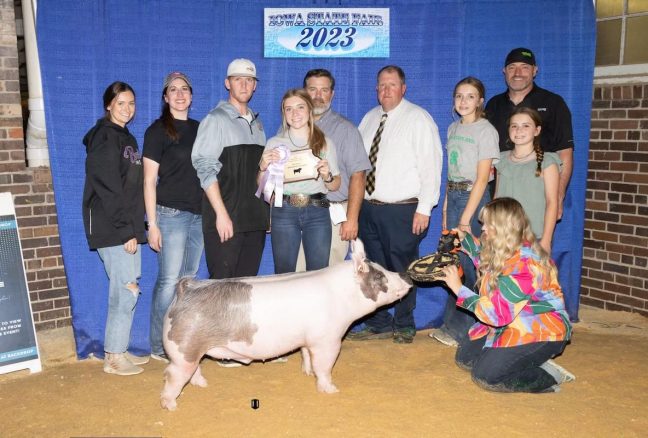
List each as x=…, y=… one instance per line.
x=326, y=32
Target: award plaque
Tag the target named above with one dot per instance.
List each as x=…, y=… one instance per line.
x=301, y=165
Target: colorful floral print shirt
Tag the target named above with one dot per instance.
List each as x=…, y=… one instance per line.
x=527, y=306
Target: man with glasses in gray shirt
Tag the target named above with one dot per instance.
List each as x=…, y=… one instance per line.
x=352, y=161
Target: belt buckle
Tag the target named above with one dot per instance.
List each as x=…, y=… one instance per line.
x=465, y=186
x=299, y=200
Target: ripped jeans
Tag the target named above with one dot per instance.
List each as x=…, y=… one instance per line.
x=123, y=271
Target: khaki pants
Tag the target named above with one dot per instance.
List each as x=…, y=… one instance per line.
x=339, y=247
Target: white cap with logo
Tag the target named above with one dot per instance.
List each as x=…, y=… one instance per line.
x=242, y=67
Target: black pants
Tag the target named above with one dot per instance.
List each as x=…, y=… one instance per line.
x=239, y=256
x=509, y=369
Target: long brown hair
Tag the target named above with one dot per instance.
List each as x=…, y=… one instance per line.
x=537, y=147
x=316, y=139
x=508, y=228
x=167, y=117
x=481, y=90
x=111, y=92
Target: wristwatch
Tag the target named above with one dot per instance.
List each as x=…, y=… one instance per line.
x=329, y=179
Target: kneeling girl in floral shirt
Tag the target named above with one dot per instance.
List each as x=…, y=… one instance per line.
x=522, y=322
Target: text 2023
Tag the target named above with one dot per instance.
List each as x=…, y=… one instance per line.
x=324, y=37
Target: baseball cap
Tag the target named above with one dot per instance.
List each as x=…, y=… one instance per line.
x=175, y=75
x=520, y=55
x=242, y=67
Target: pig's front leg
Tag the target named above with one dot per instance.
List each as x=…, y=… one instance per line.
x=323, y=358
x=198, y=379
x=176, y=377
x=307, y=367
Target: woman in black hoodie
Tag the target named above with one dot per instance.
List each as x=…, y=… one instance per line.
x=113, y=215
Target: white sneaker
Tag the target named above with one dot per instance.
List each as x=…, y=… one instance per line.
x=444, y=338
x=137, y=360
x=566, y=375
x=118, y=363
x=162, y=357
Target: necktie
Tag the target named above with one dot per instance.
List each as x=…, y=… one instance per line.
x=373, y=155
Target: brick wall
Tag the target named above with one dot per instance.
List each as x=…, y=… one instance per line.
x=615, y=255
x=32, y=192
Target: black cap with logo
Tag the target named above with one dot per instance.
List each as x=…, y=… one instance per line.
x=520, y=55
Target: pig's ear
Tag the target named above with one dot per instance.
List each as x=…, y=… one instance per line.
x=358, y=256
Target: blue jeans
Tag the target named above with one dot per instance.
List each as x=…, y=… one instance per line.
x=291, y=226
x=508, y=369
x=457, y=200
x=456, y=321
x=182, y=245
x=123, y=270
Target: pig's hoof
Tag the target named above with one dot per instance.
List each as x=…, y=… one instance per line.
x=308, y=372
x=327, y=388
x=199, y=381
x=168, y=404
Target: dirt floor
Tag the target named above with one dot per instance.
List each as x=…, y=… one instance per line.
x=385, y=390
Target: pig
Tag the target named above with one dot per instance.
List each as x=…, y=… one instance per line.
x=257, y=318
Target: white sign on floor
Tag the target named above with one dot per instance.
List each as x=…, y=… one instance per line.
x=18, y=346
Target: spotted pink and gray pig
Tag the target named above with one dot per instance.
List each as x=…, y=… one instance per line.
x=257, y=318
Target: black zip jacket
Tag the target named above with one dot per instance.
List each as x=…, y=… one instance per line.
x=113, y=196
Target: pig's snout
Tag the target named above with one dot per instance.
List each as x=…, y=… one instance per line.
x=404, y=284
x=406, y=278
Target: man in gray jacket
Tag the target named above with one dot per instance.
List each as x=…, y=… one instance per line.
x=226, y=154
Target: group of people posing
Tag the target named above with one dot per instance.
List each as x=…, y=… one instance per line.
x=196, y=186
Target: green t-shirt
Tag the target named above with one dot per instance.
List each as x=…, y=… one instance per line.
x=518, y=181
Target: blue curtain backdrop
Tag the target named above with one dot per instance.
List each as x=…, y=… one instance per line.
x=86, y=45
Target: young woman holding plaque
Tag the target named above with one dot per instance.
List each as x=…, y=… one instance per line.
x=173, y=198
x=113, y=215
x=303, y=216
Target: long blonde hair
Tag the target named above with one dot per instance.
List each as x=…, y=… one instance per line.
x=316, y=138
x=508, y=229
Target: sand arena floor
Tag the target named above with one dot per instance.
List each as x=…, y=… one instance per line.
x=385, y=390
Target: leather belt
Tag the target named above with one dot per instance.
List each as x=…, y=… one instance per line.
x=463, y=185
x=404, y=201
x=303, y=200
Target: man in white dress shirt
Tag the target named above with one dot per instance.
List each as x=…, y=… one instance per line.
x=402, y=188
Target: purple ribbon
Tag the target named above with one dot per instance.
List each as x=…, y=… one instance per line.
x=272, y=178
